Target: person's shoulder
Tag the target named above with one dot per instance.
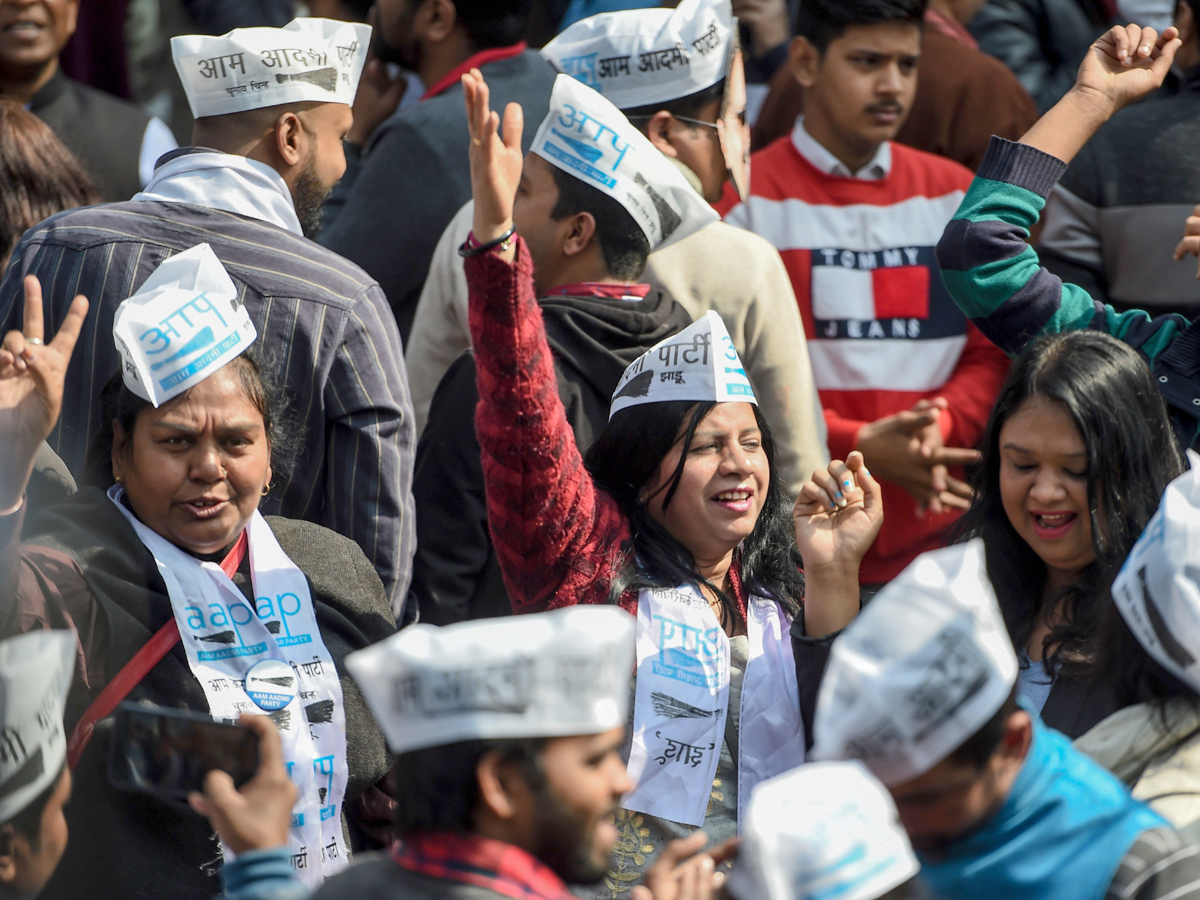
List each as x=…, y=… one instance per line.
x=335, y=565
x=1162, y=862
x=928, y=173
x=371, y=876
x=106, y=104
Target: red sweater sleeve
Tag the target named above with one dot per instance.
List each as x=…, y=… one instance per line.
x=972, y=389
x=559, y=540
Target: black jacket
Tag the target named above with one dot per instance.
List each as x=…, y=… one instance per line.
x=104, y=132
x=455, y=573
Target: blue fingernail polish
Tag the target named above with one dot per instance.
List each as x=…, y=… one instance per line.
x=838, y=496
x=847, y=484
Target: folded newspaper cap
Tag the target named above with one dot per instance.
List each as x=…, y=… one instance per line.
x=589, y=138
x=35, y=677
x=922, y=668
x=183, y=324
x=823, y=830
x=549, y=674
x=307, y=60
x=699, y=363
x=1158, y=588
x=640, y=56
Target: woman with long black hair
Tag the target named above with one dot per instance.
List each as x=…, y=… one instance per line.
x=1076, y=455
x=678, y=514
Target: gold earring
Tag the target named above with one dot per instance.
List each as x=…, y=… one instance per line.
x=118, y=479
x=266, y=490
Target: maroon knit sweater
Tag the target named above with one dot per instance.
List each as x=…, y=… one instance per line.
x=559, y=539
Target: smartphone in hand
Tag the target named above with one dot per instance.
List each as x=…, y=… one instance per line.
x=169, y=751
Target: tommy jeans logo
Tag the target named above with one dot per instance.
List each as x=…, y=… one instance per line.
x=872, y=285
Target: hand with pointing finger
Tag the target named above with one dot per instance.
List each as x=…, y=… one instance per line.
x=32, y=372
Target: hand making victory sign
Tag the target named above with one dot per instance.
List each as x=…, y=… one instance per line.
x=32, y=372
x=496, y=161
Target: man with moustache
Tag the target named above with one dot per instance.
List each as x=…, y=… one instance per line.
x=272, y=106
x=903, y=377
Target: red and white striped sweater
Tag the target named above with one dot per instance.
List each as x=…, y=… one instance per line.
x=882, y=330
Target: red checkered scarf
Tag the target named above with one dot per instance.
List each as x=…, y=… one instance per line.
x=483, y=862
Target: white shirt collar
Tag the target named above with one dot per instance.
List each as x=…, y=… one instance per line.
x=877, y=169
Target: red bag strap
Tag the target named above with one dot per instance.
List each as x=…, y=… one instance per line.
x=136, y=669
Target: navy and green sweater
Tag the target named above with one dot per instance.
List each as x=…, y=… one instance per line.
x=996, y=279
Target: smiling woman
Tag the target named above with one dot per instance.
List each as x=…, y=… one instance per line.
x=1076, y=455
x=172, y=547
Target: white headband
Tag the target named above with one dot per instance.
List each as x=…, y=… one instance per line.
x=549, y=674
x=307, y=60
x=587, y=137
x=920, y=671
x=35, y=677
x=183, y=324
x=698, y=364
x=637, y=57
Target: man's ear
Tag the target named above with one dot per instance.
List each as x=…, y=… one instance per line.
x=658, y=129
x=496, y=787
x=580, y=233
x=1018, y=737
x=804, y=61
x=8, y=855
x=290, y=139
x=435, y=20
x=120, y=451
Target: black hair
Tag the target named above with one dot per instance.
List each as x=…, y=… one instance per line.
x=690, y=106
x=976, y=750
x=626, y=457
x=1132, y=456
x=28, y=822
x=824, y=21
x=1134, y=674
x=492, y=23
x=257, y=375
x=622, y=241
x=1194, y=6
x=437, y=788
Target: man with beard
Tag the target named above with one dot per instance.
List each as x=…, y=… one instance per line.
x=272, y=106
x=509, y=735
x=921, y=689
x=903, y=376
x=413, y=175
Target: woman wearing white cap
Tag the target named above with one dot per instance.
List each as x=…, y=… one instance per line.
x=678, y=514
x=177, y=586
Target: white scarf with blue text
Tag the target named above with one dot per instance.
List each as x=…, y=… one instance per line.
x=682, y=700
x=224, y=637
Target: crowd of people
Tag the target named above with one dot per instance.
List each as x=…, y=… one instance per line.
x=546, y=450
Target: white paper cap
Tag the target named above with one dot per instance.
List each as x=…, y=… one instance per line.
x=637, y=57
x=35, y=677
x=1158, y=588
x=589, y=138
x=823, y=830
x=549, y=674
x=183, y=324
x=307, y=60
x=924, y=666
x=697, y=364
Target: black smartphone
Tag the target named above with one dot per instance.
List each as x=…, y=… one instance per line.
x=169, y=751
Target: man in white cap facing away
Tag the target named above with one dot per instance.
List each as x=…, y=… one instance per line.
x=35, y=783
x=826, y=829
x=589, y=244
x=694, y=113
x=920, y=688
x=272, y=106
x=508, y=735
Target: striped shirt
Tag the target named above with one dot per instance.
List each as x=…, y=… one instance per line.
x=1161, y=865
x=325, y=330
